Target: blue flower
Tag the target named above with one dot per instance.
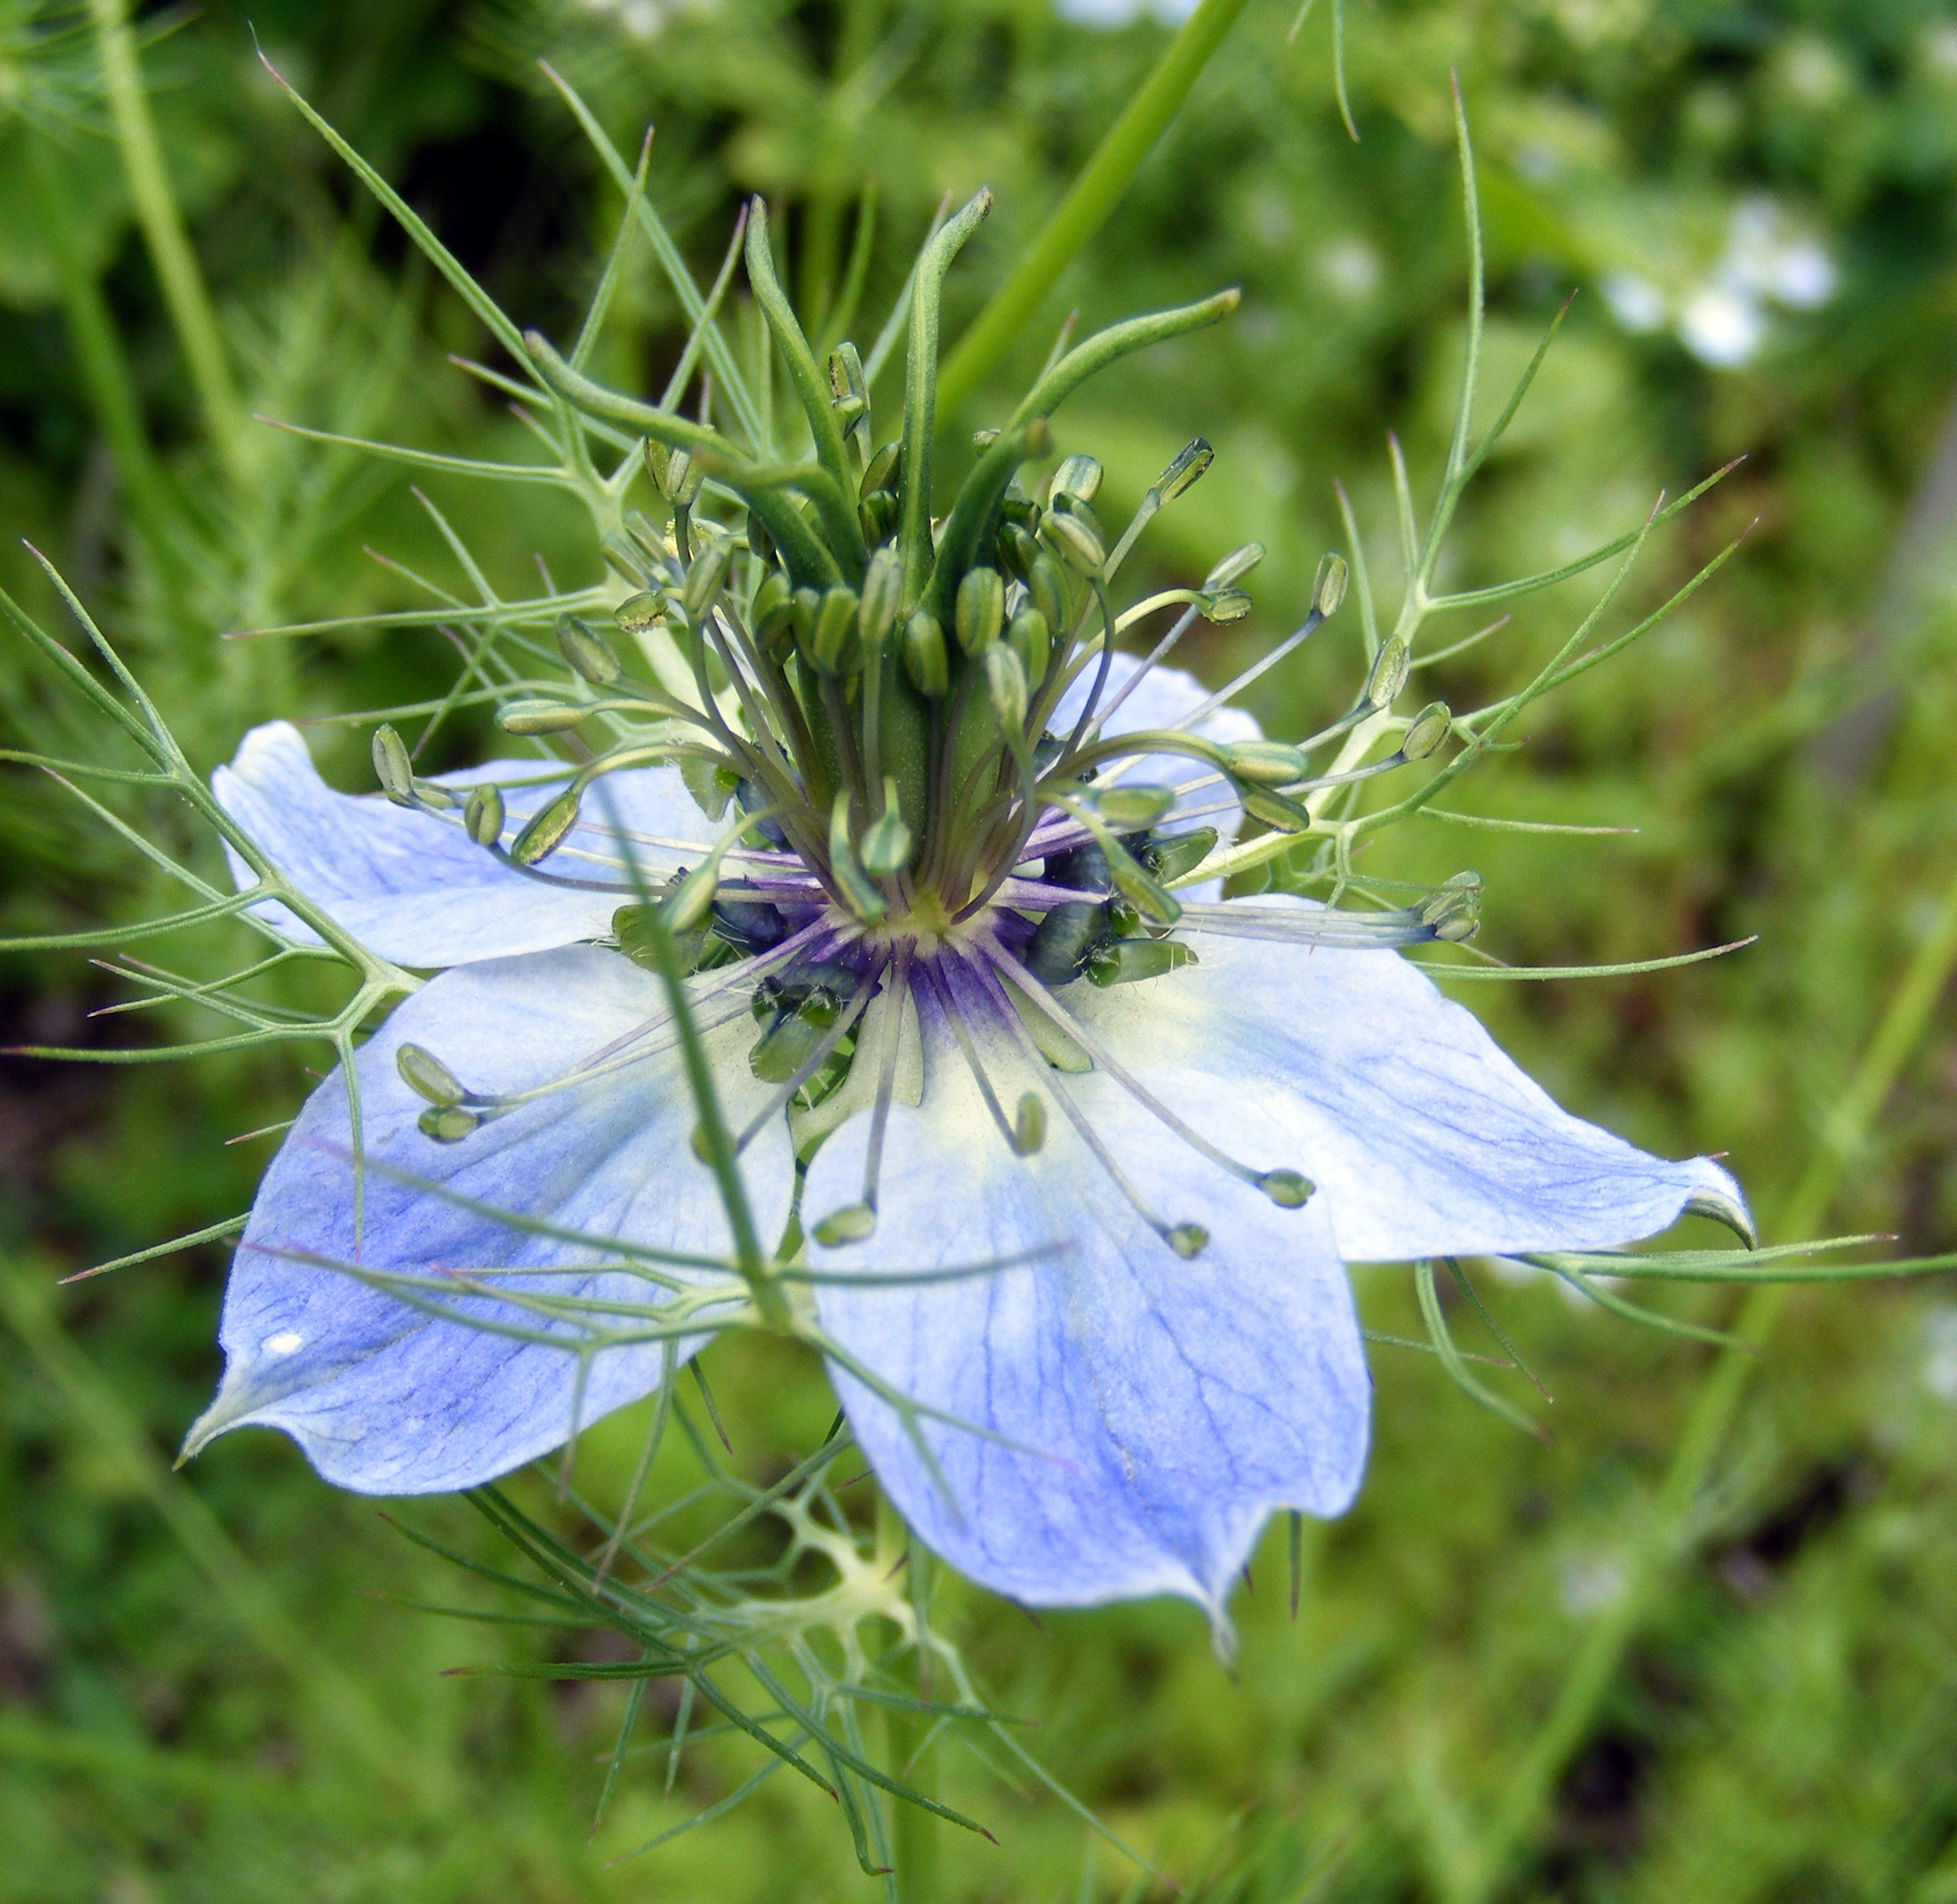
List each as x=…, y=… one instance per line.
x=1167, y=1139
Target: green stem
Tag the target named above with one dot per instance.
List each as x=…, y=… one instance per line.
x=1086, y=207
x=1665, y=1536
x=913, y=1830
x=162, y=227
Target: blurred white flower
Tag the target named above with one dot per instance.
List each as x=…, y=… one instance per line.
x=1724, y=316
x=1940, y=1368
x=1119, y=12
x=642, y=19
x=1721, y=327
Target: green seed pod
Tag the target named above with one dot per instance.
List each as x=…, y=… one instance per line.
x=1075, y=540
x=832, y=643
x=1329, y=585
x=882, y=585
x=1263, y=762
x=640, y=614
x=876, y=515
x=882, y=472
x=546, y=829
x=925, y=659
x=1142, y=890
x=588, y=653
x=1045, y=589
x=1029, y=638
x=1191, y=464
x=1389, y=673
x=981, y=608
x=428, y=1077
x=1429, y=729
x=1076, y=476
x=773, y=610
x=1005, y=683
x=540, y=717
x=1127, y=961
x=1234, y=566
x=1169, y=855
x=704, y=576
x=482, y=818
x=392, y=768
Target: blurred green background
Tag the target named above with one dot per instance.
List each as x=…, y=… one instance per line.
x=1702, y=1644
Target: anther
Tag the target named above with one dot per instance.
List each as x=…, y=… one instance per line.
x=447, y=1124
x=1076, y=476
x=1192, y=463
x=428, y=1077
x=1075, y=540
x=1429, y=728
x=392, y=768
x=546, y=831
x=587, y=652
x=1127, y=807
x=981, y=609
x=1030, y=637
x=541, y=717
x=640, y=614
x=1329, y=586
x=704, y=576
x=1263, y=762
x=482, y=818
x=1030, y=1125
x=1389, y=673
x=850, y=1224
x=1005, y=683
x=1187, y=1239
x=925, y=661
x=1287, y=1189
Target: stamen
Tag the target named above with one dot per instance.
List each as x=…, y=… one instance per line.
x=854, y=1221
x=1186, y=1239
x=1350, y=931
x=1285, y=1187
x=886, y=1073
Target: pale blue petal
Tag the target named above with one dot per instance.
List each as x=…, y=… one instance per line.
x=1170, y=1405
x=1426, y=1138
x=413, y=887
x=387, y=1399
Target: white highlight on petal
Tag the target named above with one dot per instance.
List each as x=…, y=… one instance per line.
x=284, y=1343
